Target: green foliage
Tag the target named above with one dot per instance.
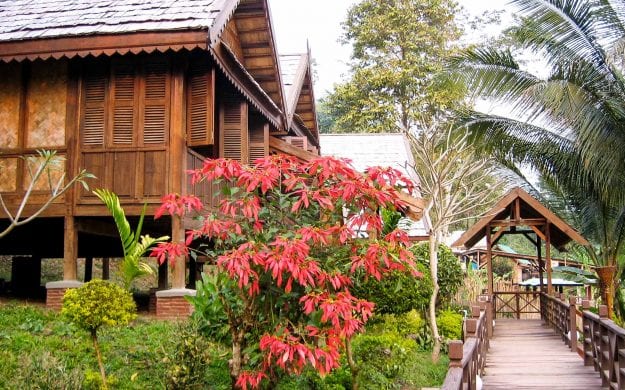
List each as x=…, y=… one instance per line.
x=134, y=244
x=449, y=324
x=382, y=358
x=98, y=303
x=187, y=363
x=55, y=358
x=214, y=288
x=405, y=325
x=502, y=267
x=398, y=53
x=450, y=274
x=398, y=292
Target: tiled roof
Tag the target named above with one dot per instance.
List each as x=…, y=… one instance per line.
x=32, y=19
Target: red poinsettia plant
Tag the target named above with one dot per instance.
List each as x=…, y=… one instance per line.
x=288, y=239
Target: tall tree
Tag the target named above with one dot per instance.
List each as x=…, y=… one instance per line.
x=568, y=125
x=398, y=50
x=452, y=178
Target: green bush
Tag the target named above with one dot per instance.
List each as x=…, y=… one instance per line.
x=449, y=324
x=381, y=358
x=450, y=274
x=406, y=324
x=98, y=303
x=188, y=362
x=398, y=292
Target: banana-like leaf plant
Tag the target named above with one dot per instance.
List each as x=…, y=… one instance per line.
x=134, y=244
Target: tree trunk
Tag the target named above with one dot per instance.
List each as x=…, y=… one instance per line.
x=237, y=356
x=353, y=367
x=606, y=287
x=436, y=348
x=98, y=355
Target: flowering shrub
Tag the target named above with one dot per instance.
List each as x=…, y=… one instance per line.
x=288, y=240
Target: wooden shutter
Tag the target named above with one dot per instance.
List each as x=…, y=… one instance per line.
x=200, y=104
x=93, y=123
x=123, y=104
x=234, y=134
x=259, y=142
x=300, y=142
x=156, y=102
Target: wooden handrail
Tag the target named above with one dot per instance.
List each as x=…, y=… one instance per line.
x=467, y=361
x=603, y=341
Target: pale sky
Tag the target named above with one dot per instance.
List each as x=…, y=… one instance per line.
x=319, y=22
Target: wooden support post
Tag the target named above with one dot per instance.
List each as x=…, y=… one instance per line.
x=179, y=271
x=540, y=263
x=603, y=311
x=106, y=268
x=70, y=250
x=489, y=259
x=573, y=323
x=455, y=353
x=88, y=269
x=163, y=277
x=548, y=256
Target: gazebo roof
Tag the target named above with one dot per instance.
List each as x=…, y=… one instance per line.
x=518, y=208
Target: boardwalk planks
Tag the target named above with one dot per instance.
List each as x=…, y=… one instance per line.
x=524, y=354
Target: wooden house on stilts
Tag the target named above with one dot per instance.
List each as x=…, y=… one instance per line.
x=137, y=93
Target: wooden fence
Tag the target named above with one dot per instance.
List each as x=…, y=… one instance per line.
x=467, y=360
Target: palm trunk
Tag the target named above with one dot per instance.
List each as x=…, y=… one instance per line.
x=606, y=287
x=436, y=348
x=94, y=338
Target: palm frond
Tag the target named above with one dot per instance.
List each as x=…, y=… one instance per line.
x=111, y=200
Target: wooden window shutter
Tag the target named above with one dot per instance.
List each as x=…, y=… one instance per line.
x=93, y=122
x=233, y=131
x=200, y=104
x=300, y=142
x=123, y=104
x=259, y=142
x=156, y=102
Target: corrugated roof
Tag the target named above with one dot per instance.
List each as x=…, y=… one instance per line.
x=289, y=64
x=32, y=19
x=370, y=150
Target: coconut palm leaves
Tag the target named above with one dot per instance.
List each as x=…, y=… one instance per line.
x=566, y=119
x=134, y=244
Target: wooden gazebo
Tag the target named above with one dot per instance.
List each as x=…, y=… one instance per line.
x=519, y=213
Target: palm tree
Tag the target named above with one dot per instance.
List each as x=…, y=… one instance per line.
x=134, y=244
x=568, y=125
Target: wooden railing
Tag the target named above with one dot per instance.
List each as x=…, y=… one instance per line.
x=516, y=304
x=604, y=347
x=467, y=361
x=603, y=344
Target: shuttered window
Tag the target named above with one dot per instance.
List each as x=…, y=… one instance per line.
x=200, y=104
x=234, y=131
x=259, y=142
x=126, y=103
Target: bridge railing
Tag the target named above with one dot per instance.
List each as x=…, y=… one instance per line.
x=603, y=342
x=467, y=360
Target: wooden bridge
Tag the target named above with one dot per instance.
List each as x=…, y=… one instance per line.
x=532, y=348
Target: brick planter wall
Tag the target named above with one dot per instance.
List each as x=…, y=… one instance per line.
x=172, y=304
x=56, y=290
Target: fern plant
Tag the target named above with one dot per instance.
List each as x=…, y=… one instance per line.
x=134, y=244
